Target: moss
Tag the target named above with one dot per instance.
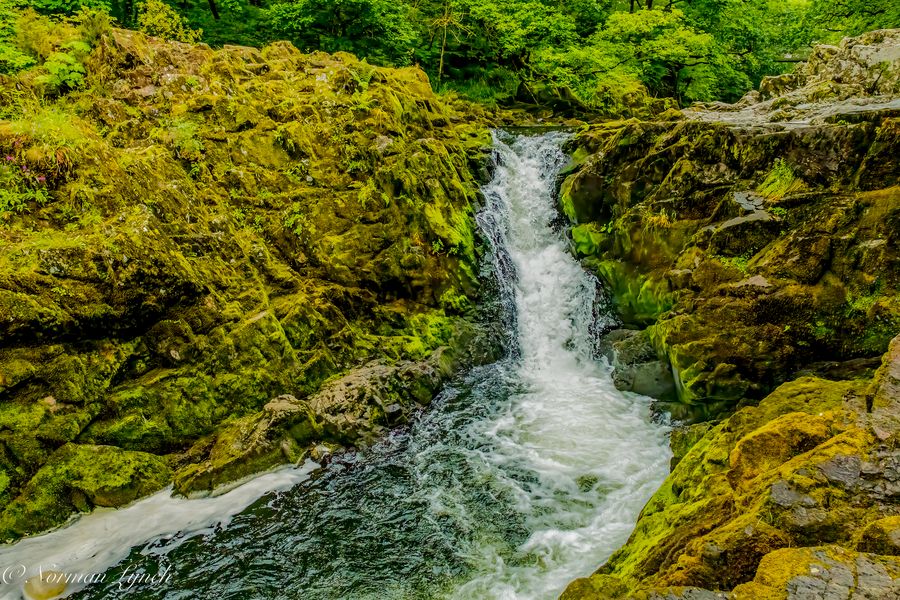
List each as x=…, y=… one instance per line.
x=663, y=213
x=773, y=444
x=251, y=444
x=881, y=537
x=202, y=247
x=782, y=570
x=596, y=587
x=78, y=477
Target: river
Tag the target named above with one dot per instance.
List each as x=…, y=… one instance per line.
x=521, y=476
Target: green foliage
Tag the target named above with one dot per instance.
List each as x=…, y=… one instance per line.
x=58, y=48
x=20, y=187
x=297, y=221
x=155, y=17
x=610, y=55
x=68, y=7
x=52, y=129
x=12, y=59
x=780, y=181
x=833, y=19
x=65, y=70
x=377, y=29
x=93, y=24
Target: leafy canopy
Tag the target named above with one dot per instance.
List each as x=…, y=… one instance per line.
x=597, y=52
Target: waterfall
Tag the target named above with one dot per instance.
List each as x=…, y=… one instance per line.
x=522, y=476
x=590, y=452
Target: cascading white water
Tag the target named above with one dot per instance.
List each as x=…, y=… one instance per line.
x=524, y=475
x=595, y=454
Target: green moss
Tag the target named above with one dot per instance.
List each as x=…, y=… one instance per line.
x=79, y=477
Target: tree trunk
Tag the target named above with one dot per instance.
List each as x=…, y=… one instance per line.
x=214, y=9
x=128, y=13
x=441, y=63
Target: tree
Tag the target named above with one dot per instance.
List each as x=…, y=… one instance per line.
x=376, y=29
x=155, y=17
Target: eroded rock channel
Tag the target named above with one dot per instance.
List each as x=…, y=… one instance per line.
x=253, y=258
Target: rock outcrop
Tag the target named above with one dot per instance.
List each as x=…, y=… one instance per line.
x=758, y=247
x=753, y=250
x=779, y=500
x=204, y=231
x=836, y=83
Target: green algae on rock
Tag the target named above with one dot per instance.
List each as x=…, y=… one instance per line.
x=204, y=231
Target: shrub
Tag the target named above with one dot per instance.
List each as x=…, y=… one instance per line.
x=93, y=24
x=12, y=59
x=65, y=69
x=157, y=18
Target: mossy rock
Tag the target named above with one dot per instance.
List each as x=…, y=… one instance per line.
x=881, y=537
x=274, y=436
x=79, y=477
x=785, y=473
x=250, y=223
x=752, y=254
x=818, y=571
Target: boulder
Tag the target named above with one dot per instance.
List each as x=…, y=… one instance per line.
x=636, y=367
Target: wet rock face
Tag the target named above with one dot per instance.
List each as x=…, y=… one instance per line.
x=221, y=228
x=636, y=367
x=752, y=249
x=794, y=498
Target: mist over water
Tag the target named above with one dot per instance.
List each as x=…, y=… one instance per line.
x=522, y=476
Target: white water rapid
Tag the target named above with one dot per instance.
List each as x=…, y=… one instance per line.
x=594, y=452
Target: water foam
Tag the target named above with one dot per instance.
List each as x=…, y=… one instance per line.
x=592, y=451
x=95, y=542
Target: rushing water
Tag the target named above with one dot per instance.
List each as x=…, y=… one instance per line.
x=523, y=475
